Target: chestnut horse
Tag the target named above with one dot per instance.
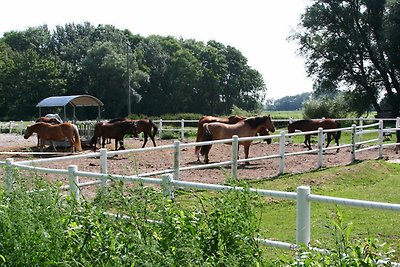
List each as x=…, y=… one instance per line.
x=229, y=120
x=147, y=127
x=51, y=120
x=115, y=130
x=244, y=128
x=55, y=132
x=312, y=125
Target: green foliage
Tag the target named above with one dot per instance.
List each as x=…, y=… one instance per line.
x=325, y=107
x=41, y=227
x=170, y=75
x=347, y=251
x=353, y=45
x=289, y=102
x=245, y=113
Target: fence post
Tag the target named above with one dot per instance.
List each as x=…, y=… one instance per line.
x=320, y=146
x=235, y=152
x=360, y=123
x=160, y=129
x=177, y=156
x=168, y=188
x=282, y=152
x=10, y=127
x=9, y=174
x=182, y=130
x=353, y=143
x=73, y=181
x=303, y=213
x=398, y=122
x=380, y=138
x=103, y=160
x=290, y=137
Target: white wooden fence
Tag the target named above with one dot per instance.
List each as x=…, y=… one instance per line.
x=169, y=179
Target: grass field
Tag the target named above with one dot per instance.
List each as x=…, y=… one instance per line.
x=373, y=180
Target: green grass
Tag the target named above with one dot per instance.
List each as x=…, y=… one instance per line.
x=293, y=114
x=373, y=180
x=368, y=180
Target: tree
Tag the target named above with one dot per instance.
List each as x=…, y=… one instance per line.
x=289, y=102
x=351, y=44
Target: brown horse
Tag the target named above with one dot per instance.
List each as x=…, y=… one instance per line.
x=50, y=120
x=312, y=125
x=244, y=128
x=55, y=132
x=115, y=130
x=229, y=120
x=147, y=127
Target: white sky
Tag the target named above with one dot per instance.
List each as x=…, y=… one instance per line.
x=258, y=28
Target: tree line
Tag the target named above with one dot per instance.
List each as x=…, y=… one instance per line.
x=162, y=74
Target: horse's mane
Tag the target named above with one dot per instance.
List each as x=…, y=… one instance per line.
x=254, y=122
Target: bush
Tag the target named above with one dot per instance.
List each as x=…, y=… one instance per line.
x=325, y=107
x=45, y=228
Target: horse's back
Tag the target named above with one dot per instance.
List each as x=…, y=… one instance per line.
x=225, y=131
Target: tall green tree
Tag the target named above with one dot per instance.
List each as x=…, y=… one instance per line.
x=351, y=44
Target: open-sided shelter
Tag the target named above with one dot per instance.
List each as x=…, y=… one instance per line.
x=73, y=100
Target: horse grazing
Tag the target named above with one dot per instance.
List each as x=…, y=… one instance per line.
x=147, y=127
x=229, y=120
x=55, y=132
x=312, y=125
x=244, y=128
x=115, y=130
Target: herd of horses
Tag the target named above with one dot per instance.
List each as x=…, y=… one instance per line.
x=208, y=128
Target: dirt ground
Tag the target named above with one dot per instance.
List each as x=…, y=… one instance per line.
x=158, y=160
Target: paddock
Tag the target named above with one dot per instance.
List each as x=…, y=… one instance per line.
x=155, y=160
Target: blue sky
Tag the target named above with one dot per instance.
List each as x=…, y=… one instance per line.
x=258, y=28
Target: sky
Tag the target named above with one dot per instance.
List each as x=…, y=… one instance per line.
x=257, y=28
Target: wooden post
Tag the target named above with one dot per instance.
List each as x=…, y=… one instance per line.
x=282, y=152
x=177, y=156
x=235, y=149
x=353, y=142
x=73, y=182
x=320, y=146
x=9, y=174
x=303, y=214
x=168, y=188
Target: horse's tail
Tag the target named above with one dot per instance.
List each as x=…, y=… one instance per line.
x=338, y=133
x=155, y=128
x=207, y=136
x=77, y=138
x=199, y=135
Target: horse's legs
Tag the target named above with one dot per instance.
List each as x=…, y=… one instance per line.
x=41, y=144
x=307, y=141
x=329, y=135
x=145, y=139
x=103, y=141
x=246, y=153
x=152, y=139
x=72, y=144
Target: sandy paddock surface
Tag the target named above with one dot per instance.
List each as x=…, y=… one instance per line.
x=150, y=161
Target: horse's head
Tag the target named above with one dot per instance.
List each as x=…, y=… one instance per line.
x=28, y=132
x=269, y=123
